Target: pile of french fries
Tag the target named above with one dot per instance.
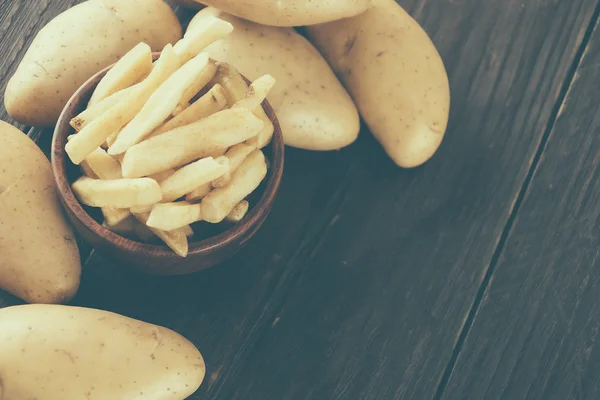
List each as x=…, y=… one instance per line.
x=156, y=161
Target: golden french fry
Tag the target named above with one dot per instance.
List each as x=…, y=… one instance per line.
x=117, y=193
x=190, y=177
x=103, y=165
x=212, y=102
x=201, y=80
x=236, y=154
x=161, y=176
x=235, y=89
x=159, y=106
x=170, y=216
x=201, y=36
x=176, y=239
x=189, y=232
x=239, y=212
x=220, y=202
x=190, y=142
x=199, y=192
x=256, y=93
x=100, y=129
x=93, y=112
x=134, y=66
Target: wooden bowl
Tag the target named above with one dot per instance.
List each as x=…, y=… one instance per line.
x=218, y=243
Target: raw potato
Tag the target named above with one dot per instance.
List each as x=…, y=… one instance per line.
x=289, y=12
x=314, y=110
x=117, y=193
x=192, y=176
x=170, y=216
x=175, y=239
x=199, y=192
x=53, y=352
x=40, y=259
x=77, y=44
x=396, y=76
x=239, y=212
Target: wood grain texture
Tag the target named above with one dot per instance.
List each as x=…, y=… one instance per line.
x=359, y=283
x=535, y=335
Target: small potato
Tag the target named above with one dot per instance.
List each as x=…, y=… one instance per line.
x=170, y=216
x=92, y=112
x=212, y=102
x=130, y=69
x=118, y=193
x=191, y=142
x=396, y=76
x=220, y=202
x=191, y=177
x=199, y=192
x=94, y=134
x=78, y=43
x=203, y=35
x=236, y=155
x=92, y=354
x=159, y=106
x=239, y=212
x=175, y=239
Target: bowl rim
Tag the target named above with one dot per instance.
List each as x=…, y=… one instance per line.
x=258, y=212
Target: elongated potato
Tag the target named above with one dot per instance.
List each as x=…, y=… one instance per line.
x=117, y=193
x=236, y=155
x=219, y=203
x=170, y=216
x=201, y=80
x=195, y=40
x=103, y=165
x=191, y=142
x=313, y=108
x=175, y=239
x=396, y=76
x=78, y=43
x=160, y=105
x=130, y=69
x=257, y=93
x=199, y=192
x=39, y=255
x=289, y=12
x=191, y=177
x=55, y=352
x=92, y=112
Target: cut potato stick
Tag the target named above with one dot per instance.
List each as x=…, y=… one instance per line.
x=239, y=212
x=93, y=112
x=236, y=88
x=161, y=176
x=219, y=203
x=127, y=225
x=236, y=155
x=212, y=102
x=191, y=142
x=113, y=216
x=170, y=216
x=117, y=193
x=201, y=36
x=199, y=192
x=189, y=232
x=159, y=106
x=176, y=239
x=134, y=66
x=87, y=171
x=256, y=93
x=94, y=134
x=190, y=177
x=141, y=209
x=201, y=80
x=103, y=165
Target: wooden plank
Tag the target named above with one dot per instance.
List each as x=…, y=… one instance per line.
x=360, y=281
x=535, y=335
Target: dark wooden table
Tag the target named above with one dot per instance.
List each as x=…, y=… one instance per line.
x=476, y=276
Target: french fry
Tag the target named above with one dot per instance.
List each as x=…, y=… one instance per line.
x=235, y=89
x=141, y=209
x=201, y=36
x=176, y=239
x=201, y=80
x=170, y=216
x=114, y=216
x=236, y=155
x=190, y=177
x=161, y=176
x=256, y=93
x=189, y=232
x=126, y=226
x=117, y=193
x=94, y=134
x=159, y=106
x=212, y=102
x=219, y=203
x=199, y=192
x=191, y=142
x=93, y=112
x=134, y=66
x=239, y=212
x=103, y=165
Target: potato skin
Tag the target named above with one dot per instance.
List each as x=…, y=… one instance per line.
x=395, y=75
x=78, y=43
x=40, y=259
x=55, y=352
x=287, y=13
x=313, y=108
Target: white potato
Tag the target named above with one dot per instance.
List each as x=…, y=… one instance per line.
x=117, y=193
x=170, y=216
x=191, y=177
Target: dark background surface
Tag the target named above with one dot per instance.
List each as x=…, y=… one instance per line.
x=476, y=276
